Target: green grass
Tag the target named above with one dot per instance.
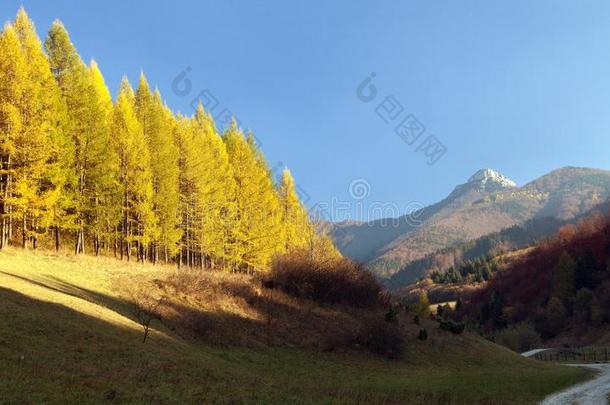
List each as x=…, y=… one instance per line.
x=65, y=337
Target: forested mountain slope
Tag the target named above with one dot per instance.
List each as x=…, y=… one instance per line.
x=560, y=287
x=487, y=203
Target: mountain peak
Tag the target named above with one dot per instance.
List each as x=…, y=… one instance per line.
x=488, y=177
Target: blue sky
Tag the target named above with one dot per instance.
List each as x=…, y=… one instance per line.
x=522, y=87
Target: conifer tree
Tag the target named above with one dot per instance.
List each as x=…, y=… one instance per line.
x=89, y=130
x=322, y=246
x=106, y=212
x=216, y=190
x=47, y=150
x=186, y=185
x=12, y=83
x=138, y=220
x=258, y=229
x=207, y=190
x=156, y=122
x=295, y=221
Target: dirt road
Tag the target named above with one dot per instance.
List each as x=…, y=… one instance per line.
x=594, y=392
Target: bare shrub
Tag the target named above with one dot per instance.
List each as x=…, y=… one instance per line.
x=145, y=301
x=334, y=281
x=184, y=281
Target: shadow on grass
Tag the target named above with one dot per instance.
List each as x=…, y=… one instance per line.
x=265, y=319
x=242, y=314
x=55, y=284
x=232, y=312
x=50, y=353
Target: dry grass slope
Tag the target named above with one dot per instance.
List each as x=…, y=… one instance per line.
x=67, y=336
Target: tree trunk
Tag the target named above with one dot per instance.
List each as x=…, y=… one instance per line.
x=115, y=244
x=24, y=239
x=56, y=234
x=77, y=244
x=8, y=193
x=82, y=241
x=2, y=231
x=96, y=242
x=7, y=223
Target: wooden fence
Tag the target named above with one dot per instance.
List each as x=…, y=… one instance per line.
x=588, y=354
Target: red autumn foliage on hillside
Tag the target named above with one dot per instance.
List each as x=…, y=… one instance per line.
x=522, y=290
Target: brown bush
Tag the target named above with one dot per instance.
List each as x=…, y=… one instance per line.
x=228, y=309
x=334, y=281
x=382, y=337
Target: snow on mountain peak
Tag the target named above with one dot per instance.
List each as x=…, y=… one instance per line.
x=488, y=177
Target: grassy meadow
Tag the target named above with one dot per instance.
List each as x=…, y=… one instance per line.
x=67, y=335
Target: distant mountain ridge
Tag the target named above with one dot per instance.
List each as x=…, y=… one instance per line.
x=488, y=202
x=508, y=239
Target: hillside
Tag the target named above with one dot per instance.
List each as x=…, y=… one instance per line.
x=488, y=202
x=559, y=289
x=514, y=237
x=508, y=239
x=67, y=335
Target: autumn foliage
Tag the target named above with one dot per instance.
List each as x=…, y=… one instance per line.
x=561, y=284
x=128, y=177
x=333, y=280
